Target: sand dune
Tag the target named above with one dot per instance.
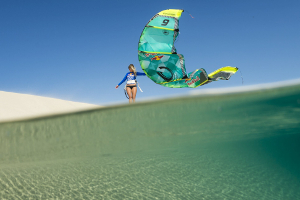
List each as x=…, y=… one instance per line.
x=15, y=106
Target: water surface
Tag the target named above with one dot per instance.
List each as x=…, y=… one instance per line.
x=231, y=146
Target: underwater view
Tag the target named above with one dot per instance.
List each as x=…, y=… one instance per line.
x=243, y=145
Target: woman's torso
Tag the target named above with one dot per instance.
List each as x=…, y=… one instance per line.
x=131, y=79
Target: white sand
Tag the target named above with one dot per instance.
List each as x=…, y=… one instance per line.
x=14, y=106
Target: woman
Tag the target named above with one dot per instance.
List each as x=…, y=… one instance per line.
x=131, y=82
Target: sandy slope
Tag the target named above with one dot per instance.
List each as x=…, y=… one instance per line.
x=14, y=106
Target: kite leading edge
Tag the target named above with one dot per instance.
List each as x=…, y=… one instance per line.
x=159, y=59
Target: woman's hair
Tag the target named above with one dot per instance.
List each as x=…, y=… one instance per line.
x=131, y=66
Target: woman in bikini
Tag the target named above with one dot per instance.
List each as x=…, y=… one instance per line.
x=131, y=82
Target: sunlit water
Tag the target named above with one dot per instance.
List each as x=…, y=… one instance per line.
x=234, y=146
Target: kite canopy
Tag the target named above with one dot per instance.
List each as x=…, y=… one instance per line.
x=159, y=59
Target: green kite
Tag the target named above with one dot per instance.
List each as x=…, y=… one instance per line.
x=161, y=62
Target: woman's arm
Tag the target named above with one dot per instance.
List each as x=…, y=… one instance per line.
x=140, y=74
x=123, y=80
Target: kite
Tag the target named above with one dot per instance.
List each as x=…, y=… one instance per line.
x=160, y=61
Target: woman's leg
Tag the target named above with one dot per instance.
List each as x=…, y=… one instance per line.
x=134, y=90
x=129, y=93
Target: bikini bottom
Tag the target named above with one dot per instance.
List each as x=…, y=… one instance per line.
x=131, y=86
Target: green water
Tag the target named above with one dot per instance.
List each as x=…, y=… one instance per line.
x=232, y=146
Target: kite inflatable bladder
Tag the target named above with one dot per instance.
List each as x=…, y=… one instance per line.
x=159, y=59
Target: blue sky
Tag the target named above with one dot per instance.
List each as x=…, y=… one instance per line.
x=79, y=50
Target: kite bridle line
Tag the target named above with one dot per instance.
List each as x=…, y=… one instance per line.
x=241, y=76
x=189, y=14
